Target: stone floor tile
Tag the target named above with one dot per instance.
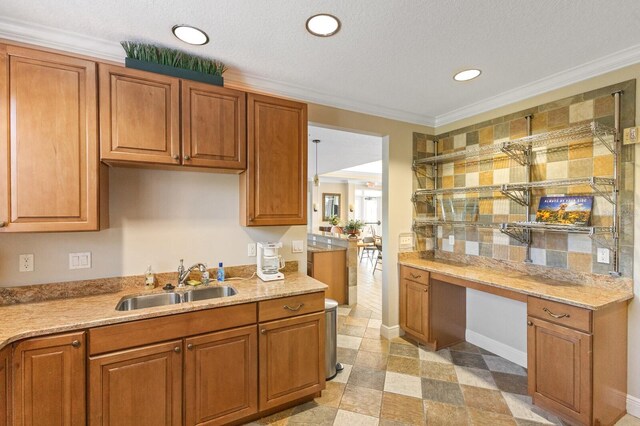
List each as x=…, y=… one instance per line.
x=331, y=395
x=367, y=378
x=343, y=310
x=402, y=408
x=486, y=352
x=628, y=420
x=361, y=400
x=360, y=312
x=374, y=323
x=522, y=409
x=403, y=384
x=403, y=341
x=466, y=359
x=439, y=413
x=400, y=364
x=465, y=347
x=442, y=356
x=349, y=342
x=312, y=413
x=373, y=345
x=346, y=355
x=343, y=376
x=281, y=418
x=377, y=361
x=438, y=371
x=349, y=418
x=501, y=365
x=373, y=333
x=352, y=330
x=487, y=418
x=485, y=399
x=403, y=350
x=358, y=322
x=475, y=377
x=511, y=383
x=439, y=391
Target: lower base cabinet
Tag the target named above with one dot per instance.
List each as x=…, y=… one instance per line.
x=141, y=386
x=5, y=403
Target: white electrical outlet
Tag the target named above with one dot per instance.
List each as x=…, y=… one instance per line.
x=80, y=260
x=328, y=241
x=25, y=263
x=405, y=240
x=313, y=238
x=603, y=255
x=251, y=249
x=452, y=240
x=297, y=246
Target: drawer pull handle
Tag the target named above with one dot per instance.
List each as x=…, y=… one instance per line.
x=414, y=276
x=75, y=343
x=177, y=349
x=557, y=316
x=294, y=308
x=190, y=346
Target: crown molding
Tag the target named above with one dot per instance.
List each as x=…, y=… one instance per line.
x=556, y=81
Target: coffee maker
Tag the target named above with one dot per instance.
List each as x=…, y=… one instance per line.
x=270, y=262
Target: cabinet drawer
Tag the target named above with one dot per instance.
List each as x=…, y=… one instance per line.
x=290, y=306
x=414, y=274
x=137, y=333
x=560, y=313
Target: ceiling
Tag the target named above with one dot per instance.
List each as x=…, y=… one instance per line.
x=391, y=58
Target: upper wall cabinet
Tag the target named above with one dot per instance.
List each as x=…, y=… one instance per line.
x=49, y=167
x=273, y=189
x=140, y=121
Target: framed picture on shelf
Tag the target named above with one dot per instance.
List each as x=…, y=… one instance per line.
x=565, y=210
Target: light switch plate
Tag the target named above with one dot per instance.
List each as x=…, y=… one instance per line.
x=25, y=262
x=251, y=249
x=603, y=255
x=452, y=240
x=80, y=260
x=297, y=246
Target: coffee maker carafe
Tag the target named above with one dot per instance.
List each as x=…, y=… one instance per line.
x=270, y=262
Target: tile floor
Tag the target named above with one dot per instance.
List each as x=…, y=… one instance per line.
x=397, y=382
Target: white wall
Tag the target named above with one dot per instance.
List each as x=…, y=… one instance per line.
x=157, y=217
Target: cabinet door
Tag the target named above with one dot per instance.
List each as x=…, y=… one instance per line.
x=48, y=142
x=221, y=376
x=139, y=116
x=273, y=190
x=49, y=381
x=414, y=309
x=213, y=126
x=291, y=359
x=559, y=364
x=4, y=386
x=137, y=387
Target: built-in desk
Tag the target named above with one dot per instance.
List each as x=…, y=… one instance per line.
x=576, y=334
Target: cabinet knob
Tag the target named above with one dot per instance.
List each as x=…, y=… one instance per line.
x=426, y=289
x=3, y=224
x=250, y=218
x=187, y=157
x=75, y=343
x=263, y=331
x=190, y=346
x=176, y=157
x=529, y=323
x=177, y=349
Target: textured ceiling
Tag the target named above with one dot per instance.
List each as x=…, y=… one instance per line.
x=340, y=150
x=395, y=58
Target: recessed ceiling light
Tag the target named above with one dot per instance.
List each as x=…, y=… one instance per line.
x=323, y=25
x=191, y=35
x=467, y=75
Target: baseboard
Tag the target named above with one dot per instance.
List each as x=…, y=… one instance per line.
x=497, y=348
x=633, y=406
x=390, y=332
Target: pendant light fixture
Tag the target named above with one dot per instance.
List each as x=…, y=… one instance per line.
x=316, y=179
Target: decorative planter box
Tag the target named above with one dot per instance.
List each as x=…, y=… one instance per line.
x=174, y=72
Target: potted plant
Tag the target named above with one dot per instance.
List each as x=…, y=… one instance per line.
x=353, y=227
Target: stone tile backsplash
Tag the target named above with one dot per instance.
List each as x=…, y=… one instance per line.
x=581, y=159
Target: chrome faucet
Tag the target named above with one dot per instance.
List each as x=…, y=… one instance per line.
x=183, y=274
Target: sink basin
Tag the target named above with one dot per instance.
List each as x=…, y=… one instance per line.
x=130, y=303
x=209, y=293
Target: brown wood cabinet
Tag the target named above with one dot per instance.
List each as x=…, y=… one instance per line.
x=273, y=190
x=291, y=359
x=414, y=309
x=221, y=376
x=49, y=167
x=141, y=386
x=49, y=381
x=330, y=267
x=5, y=386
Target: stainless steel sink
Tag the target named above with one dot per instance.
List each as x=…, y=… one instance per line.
x=130, y=303
x=209, y=293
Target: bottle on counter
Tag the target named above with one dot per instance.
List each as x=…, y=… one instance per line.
x=205, y=275
x=220, y=272
x=150, y=279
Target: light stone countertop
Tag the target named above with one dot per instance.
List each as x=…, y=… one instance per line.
x=592, y=297
x=324, y=248
x=25, y=320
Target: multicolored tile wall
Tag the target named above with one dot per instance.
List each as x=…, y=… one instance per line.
x=582, y=159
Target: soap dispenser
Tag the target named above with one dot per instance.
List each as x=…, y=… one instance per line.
x=150, y=279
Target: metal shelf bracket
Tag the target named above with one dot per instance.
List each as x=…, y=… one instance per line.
x=516, y=152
